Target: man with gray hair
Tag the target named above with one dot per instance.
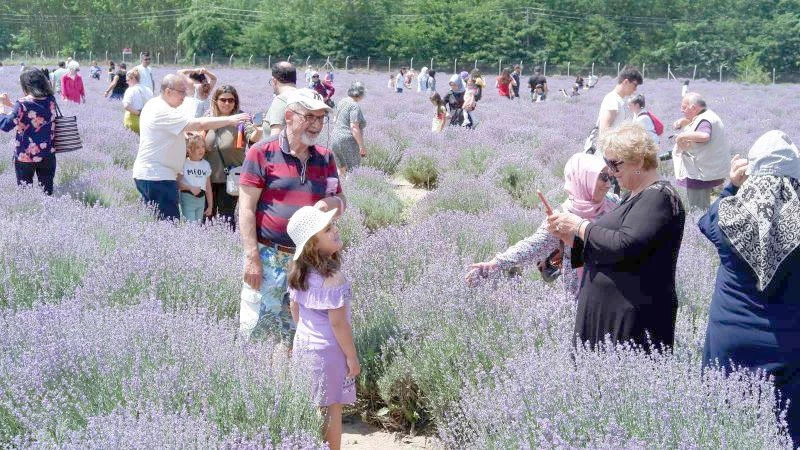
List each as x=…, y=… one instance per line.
x=162, y=145
x=701, y=153
x=280, y=175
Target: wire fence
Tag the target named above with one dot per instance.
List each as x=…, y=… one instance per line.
x=389, y=64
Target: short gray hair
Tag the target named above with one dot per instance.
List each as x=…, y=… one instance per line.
x=357, y=89
x=170, y=81
x=695, y=99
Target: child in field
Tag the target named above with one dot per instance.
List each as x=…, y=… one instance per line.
x=469, y=103
x=195, y=182
x=538, y=93
x=391, y=84
x=320, y=304
x=441, y=113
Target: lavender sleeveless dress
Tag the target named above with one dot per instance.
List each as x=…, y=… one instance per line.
x=315, y=344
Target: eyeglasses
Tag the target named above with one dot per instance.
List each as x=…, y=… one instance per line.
x=311, y=117
x=604, y=177
x=613, y=164
x=226, y=100
x=183, y=92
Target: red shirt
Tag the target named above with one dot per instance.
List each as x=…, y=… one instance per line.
x=285, y=183
x=502, y=88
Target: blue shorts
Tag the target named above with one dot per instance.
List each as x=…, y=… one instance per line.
x=163, y=194
x=265, y=312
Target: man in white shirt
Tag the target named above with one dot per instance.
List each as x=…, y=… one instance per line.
x=146, y=73
x=612, y=109
x=641, y=117
x=162, y=146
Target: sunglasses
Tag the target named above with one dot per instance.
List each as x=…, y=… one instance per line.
x=613, y=164
x=604, y=177
x=226, y=100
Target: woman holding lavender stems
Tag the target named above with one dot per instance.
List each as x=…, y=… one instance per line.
x=32, y=118
x=630, y=254
x=754, y=318
x=347, y=136
x=586, y=181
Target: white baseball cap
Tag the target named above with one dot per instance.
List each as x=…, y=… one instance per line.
x=308, y=99
x=774, y=153
x=305, y=223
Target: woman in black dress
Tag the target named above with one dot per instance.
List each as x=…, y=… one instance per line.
x=629, y=254
x=454, y=100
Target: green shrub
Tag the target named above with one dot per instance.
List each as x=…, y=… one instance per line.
x=474, y=161
x=518, y=182
x=372, y=194
x=421, y=171
x=749, y=70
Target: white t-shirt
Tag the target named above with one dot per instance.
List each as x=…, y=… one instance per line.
x=644, y=120
x=136, y=97
x=195, y=173
x=162, y=148
x=399, y=81
x=193, y=106
x=146, y=77
x=613, y=102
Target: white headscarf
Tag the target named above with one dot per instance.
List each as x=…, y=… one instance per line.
x=762, y=221
x=458, y=82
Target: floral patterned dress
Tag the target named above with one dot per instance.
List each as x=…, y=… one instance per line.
x=33, y=119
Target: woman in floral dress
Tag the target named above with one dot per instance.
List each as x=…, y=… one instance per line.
x=32, y=117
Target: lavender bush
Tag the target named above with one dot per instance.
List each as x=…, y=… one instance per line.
x=118, y=330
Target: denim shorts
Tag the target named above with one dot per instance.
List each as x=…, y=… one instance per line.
x=264, y=313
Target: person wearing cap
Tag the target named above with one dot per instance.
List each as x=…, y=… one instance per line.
x=320, y=304
x=162, y=147
x=754, y=318
x=279, y=176
x=284, y=82
x=347, y=135
x=701, y=152
x=323, y=87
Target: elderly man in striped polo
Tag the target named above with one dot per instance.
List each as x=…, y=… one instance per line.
x=279, y=176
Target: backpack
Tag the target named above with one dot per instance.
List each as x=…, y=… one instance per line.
x=657, y=124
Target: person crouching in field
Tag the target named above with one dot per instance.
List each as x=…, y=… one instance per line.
x=320, y=304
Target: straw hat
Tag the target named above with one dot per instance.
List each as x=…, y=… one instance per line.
x=306, y=222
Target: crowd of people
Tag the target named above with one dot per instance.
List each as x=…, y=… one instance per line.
x=614, y=242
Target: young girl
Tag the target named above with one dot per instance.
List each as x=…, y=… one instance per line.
x=391, y=83
x=441, y=113
x=195, y=183
x=504, y=84
x=320, y=304
x=469, y=103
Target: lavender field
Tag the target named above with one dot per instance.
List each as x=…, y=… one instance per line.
x=117, y=331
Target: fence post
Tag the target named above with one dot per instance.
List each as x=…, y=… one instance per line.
x=194, y=59
x=106, y=55
x=773, y=75
x=592, y=69
x=644, y=65
x=289, y=58
x=455, y=65
x=26, y=55
x=694, y=72
x=431, y=68
x=177, y=55
x=57, y=52
x=308, y=58
x=90, y=55
x=476, y=63
x=617, y=69
x=41, y=56
x=12, y=54
x=368, y=63
x=568, y=68
x=347, y=60
x=211, y=63
x=720, y=72
x=73, y=54
x=158, y=58
x=544, y=73
x=230, y=60
x=250, y=61
x=668, y=72
x=747, y=74
x=390, y=64
x=269, y=61
x=412, y=63
x=499, y=66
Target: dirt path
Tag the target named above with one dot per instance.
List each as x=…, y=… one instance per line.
x=406, y=191
x=362, y=436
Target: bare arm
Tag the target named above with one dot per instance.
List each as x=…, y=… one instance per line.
x=607, y=119
x=355, y=128
x=248, y=201
x=212, y=123
x=212, y=79
x=344, y=336
x=209, y=197
x=132, y=110
x=111, y=86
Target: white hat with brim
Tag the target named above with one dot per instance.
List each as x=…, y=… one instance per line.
x=308, y=99
x=305, y=223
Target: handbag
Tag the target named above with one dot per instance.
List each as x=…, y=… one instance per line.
x=65, y=133
x=550, y=268
x=232, y=173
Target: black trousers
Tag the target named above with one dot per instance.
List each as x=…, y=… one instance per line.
x=224, y=204
x=45, y=171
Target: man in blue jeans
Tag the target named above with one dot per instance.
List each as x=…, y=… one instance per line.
x=162, y=146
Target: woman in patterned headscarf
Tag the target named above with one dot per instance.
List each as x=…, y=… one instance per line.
x=754, y=319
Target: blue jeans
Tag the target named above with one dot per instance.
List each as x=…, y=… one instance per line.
x=192, y=207
x=265, y=311
x=163, y=194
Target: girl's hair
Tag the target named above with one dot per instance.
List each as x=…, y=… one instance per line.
x=134, y=74
x=193, y=138
x=35, y=83
x=225, y=89
x=431, y=73
x=436, y=99
x=312, y=259
x=505, y=75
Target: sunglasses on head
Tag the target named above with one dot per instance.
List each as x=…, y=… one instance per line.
x=613, y=164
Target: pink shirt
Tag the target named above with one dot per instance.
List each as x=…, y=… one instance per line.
x=72, y=88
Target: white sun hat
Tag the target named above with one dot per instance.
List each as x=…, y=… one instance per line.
x=306, y=222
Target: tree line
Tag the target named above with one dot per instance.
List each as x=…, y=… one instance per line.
x=736, y=33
